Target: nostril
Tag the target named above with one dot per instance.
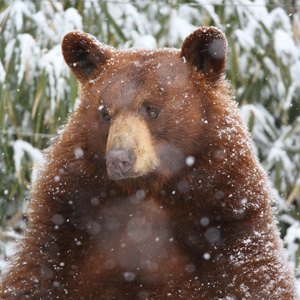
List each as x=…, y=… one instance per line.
x=119, y=161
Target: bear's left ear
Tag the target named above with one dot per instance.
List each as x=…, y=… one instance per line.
x=84, y=54
x=206, y=49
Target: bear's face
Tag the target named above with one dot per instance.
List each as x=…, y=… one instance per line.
x=138, y=123
x=143, y=112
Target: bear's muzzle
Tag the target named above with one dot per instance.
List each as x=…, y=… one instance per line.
x=130, y=151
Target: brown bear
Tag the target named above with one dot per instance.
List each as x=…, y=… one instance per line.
x=152, y=190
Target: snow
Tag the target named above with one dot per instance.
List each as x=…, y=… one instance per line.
x=212, y=234
x=211, y=12
x=262, y=116
x=43, y=26
x=284, y=46
x=145, y=41
x=2, y=73
x=190, y=268
x=291, y=93
x=278, y=16
x=190, y=160
x=17, y=12
x=9, y=50
x=43, y=52
x=180, y=28
x=78, y=152
x=129, y=276
x=27, y=46
x=291, y=239
x=246, y=41
x=20, y=148
x=10, y=247
x=58, y=219
x=204, y=221
x=54, y=66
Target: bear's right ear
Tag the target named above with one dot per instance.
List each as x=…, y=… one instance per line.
x=206, y=49
x=84, y=54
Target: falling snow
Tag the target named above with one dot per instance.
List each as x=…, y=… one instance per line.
x=34, y=56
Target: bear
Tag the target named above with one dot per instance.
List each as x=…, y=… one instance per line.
x=152, y=190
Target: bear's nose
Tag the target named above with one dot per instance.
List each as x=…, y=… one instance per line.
x=119, y=161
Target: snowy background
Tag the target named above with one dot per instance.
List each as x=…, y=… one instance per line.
x=37, y=90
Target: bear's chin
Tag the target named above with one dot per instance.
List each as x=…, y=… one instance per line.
x=118, y=177
x=130, y=183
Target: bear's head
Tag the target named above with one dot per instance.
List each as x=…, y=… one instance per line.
x=144, y=114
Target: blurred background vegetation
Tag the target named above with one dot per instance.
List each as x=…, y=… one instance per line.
x=37, y=91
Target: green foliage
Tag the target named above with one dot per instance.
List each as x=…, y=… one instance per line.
x=37, y=90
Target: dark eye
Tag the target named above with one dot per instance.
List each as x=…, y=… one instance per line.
x=105, y=116
x=152, y=113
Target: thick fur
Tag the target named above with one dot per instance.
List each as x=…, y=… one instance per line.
x=191, y=220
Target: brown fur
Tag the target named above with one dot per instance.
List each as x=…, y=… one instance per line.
x=168, y=229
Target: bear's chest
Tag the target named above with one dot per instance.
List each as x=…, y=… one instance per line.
x=131, y=243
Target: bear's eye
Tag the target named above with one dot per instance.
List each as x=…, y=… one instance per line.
x=152, y=112
x=105, y=116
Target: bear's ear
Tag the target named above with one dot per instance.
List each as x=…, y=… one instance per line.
x=84, y=54
x=206, y=49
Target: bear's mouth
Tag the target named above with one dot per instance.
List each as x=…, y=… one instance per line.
x=121, y=176
x=132, y=174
